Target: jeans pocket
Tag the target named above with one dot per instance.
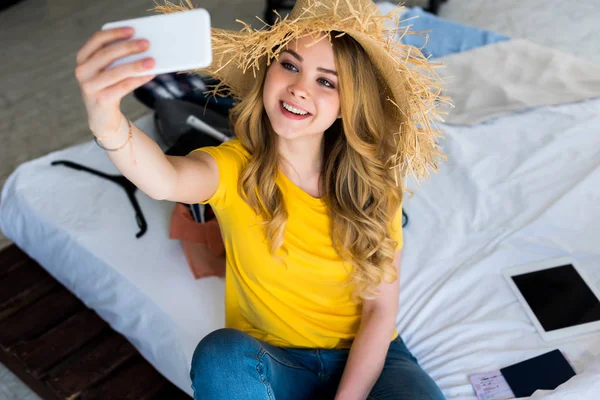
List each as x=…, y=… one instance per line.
x=282, y=356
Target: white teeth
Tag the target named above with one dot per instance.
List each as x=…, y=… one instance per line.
x=293, y=109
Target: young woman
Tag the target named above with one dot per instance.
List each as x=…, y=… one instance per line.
x=308, y=202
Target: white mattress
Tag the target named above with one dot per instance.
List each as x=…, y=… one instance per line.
x=521, y=188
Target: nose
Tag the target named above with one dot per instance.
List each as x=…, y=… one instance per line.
x=298, y=89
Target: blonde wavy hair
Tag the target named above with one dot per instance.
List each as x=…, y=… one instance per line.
x=357, y=179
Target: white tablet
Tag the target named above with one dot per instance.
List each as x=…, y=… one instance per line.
x=179, y=41
x=557, y=296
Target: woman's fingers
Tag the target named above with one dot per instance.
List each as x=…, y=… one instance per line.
x=100, y=39
x=107, y=55
x=116, y=92
x=114, y=75
x=102, y=88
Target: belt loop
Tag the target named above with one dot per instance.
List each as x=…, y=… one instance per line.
x=320, y=363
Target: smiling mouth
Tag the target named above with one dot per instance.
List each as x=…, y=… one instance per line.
x=290, y=113
x=289, y=104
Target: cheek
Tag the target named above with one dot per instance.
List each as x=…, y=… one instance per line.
x=272, y=87
x=331, y=104
x=266, y=85
x=273, y=78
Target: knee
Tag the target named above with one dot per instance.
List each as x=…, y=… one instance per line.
x=222, y=352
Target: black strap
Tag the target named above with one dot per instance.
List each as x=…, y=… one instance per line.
x=120, y=180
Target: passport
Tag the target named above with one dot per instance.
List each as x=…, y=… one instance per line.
x=546, y=371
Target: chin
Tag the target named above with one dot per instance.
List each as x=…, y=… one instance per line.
x=286, y=133
x=283, y=129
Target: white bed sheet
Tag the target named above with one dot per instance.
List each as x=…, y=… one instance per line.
x=521, y=188
x=518, y=189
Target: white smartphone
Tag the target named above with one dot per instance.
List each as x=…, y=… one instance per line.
x=179, y=41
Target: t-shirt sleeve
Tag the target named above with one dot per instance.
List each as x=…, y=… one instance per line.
x=230, y=157
x=396, y=229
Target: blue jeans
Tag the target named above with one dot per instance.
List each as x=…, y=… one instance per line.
x=230, y=364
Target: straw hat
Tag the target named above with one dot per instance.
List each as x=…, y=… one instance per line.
x=413, y=95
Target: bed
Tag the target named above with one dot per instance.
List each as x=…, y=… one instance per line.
x=520, y=185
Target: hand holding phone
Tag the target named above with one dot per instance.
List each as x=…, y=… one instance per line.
x=114, y=61
x=179, y=41
x=103, y=90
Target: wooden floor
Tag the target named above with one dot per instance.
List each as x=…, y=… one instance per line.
x=62, y=349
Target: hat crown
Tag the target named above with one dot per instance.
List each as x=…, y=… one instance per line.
x=324, y=8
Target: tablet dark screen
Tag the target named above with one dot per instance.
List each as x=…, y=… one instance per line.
x=559, y=297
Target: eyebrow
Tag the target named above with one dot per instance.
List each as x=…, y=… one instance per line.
x=293, y=53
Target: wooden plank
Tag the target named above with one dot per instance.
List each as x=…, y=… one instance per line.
x=18, y=281
x=17, y=368
x=135, y=380
x=26, y=298
x=40, y=354
x=40, y=316
x=94, y=363
x=10, y=258
x=171, y=392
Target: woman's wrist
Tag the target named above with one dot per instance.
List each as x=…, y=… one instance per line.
x=117, y=137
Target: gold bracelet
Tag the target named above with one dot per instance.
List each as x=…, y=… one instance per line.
x=116, y=130
x=130, y=136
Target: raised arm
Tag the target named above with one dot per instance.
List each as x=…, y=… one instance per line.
x=190, y=179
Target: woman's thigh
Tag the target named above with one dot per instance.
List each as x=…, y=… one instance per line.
x=403, y=378
x=230, y=364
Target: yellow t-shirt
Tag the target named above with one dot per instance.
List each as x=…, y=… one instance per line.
x=303, y=304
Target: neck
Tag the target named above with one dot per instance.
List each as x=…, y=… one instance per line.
x=301, y=157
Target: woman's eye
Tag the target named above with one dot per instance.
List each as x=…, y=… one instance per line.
x=322, y=81
x=289, y=66
x=325, y=82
